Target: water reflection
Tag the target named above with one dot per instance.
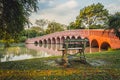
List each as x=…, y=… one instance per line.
x=51, y=49
x=16, y=53
x=33, y=51
x=28, y=52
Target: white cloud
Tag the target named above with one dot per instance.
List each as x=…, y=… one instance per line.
x=113, y=8
x=44, y=1
x=62, y=13
x=65, y=11
x=68, y=5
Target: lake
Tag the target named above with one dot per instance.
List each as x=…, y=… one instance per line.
x=29, y=51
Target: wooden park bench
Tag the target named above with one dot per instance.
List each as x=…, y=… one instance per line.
x=73, y=44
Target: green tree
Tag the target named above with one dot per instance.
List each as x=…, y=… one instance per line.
x=71, y=26
x=31, y=33
x=54, y=27
x=14, y=16
x=96, y=26
x=34, y=31
x=94, y=14
x=114, y=23
x=37, y=28
x=42, y=23
x=78, y=23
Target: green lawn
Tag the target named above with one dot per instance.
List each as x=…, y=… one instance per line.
x=100, y=66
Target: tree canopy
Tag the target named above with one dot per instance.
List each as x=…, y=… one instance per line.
x=92, y=15
x=30, y=33
x=14, y=16
x=37, y=28
x=114, y=23
x=54, y=27
x=41, y=22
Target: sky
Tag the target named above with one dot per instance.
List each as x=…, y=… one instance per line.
x=65, y=11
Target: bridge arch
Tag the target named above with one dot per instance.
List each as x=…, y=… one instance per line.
x=68, y=37
x=36, y=42
x=105, y=45
x=49, y=41
x=58, y=40
x=94, y=43
x=62, y=39
x=78, y=37
x=53, y=41
x=73, y=37
x=45, y=41
x=40, y=42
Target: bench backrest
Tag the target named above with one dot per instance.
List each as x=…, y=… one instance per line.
x=74, y=43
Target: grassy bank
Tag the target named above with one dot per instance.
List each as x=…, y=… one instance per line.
x=100, y=66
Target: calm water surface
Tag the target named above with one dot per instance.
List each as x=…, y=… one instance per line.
x=30, y=51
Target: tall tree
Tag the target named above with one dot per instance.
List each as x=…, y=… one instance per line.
x=114, y=23
x=92, y=15
x=13, y=16
x=41, y=22
x=37, y=28
x=54, y=27
x=72, y=25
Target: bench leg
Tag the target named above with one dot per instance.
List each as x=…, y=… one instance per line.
x=63, y=54
x=82, y=55
x=64, y=58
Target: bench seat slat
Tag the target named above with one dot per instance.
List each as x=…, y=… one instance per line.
x=70, y=49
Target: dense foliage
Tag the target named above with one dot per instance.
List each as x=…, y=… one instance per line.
x=92, y=15
x=96, y=17
x=114, y=23
x=30, y=33
x=54, y=27
x=14, y=16
x=41, y=22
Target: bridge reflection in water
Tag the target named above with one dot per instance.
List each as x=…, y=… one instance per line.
x=52, y=49
x=34, y=51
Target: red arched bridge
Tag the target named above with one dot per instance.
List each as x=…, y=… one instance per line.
x=96, y=38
